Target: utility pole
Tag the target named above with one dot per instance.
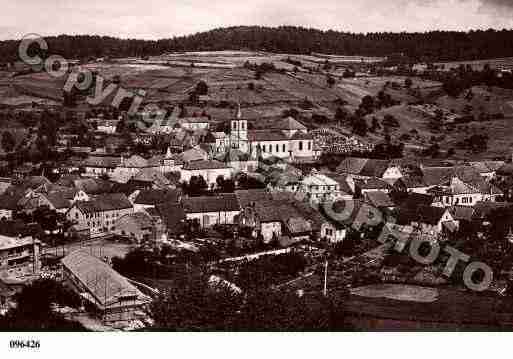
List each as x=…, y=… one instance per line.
x=325, y=292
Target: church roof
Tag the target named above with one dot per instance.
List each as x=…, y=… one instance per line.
x=290, y=123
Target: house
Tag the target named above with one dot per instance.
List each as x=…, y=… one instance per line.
x=238, y=160
x=210, y=210
x=428, y=219
x=487, y=169
x=58, y=200
x=371, y=184
x=4, y=184
x=366, y=168
x=98, y=165
x=210, y=170
x=457, y=192
x=319, y=188
x=138, y=227
x=144, y=199
x=333, y=231
x=194, y=123
x=106, y=126
x=100, y=213
x=19, y=256
x=8, y=206
x=116, y=301
x=411, y=184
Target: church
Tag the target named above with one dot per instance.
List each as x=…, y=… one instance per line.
x=287, y=139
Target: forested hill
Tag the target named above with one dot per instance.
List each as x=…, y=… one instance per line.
x=429, y=46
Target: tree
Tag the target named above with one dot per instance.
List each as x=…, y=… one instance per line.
x=8, y=141
x=34, y=308
x=330, y=80
x=201, y=88
x=408, y=82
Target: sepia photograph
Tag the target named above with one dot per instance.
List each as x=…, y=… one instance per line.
x=261, y=166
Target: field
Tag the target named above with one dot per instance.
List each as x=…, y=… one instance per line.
x=504, y=63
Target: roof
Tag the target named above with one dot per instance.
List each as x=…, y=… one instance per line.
x=422, y=214
x=93, y=185
x=341, y=179
x=193, y=154
x=9, y=202
x=105, y=202
x=60, y=199
x=7, y=242
x=204, y=165
x=506, y=170
x=157, y=196
x=102, y=161
x=151, y=175
x=250, y=196
x=290, y=123
x=296, y=225
x=433, y=176
x=233, y=155
x=371, y=183
x=485, y=208
x=302, y=136
x=379, y=199
x=375, y=168
x=105, y=285
x=351, y=165
x=141, y=219
x=134, y=161
x=462, y=212
x=266, y=136
x=220, y=203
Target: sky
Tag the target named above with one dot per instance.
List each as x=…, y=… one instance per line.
x=154, y=19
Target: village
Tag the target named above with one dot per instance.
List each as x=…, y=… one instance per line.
x=292, y=178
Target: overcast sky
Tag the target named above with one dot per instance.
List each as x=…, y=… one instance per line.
x=153, y=19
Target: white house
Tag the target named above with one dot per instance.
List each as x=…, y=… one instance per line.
x=210, y=210
x=210, y=170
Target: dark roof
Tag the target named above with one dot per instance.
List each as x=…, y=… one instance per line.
x=341, y=179
x=9, y=202
x=18, y=227
x=172, y=215
x=266, y=135
x=141, y=219
x=414, y=199
x=433, y=176
x=374, y=168
x=105, y=202
x=379, y=199
x=462, y=212
x=249, y=196
x=371, y=183
x=204, y=165
x=422, y=214
x=351, y=165
x=219, y=203
x=157, y=196
x=486, y=208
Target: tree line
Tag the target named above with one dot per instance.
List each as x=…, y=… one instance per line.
x=426, y=46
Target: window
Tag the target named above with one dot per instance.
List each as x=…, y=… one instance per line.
x=242, y=125
x=277, y=148
x=309, y=145
x=301, y=145
x=263, y=148
x=284, y=149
